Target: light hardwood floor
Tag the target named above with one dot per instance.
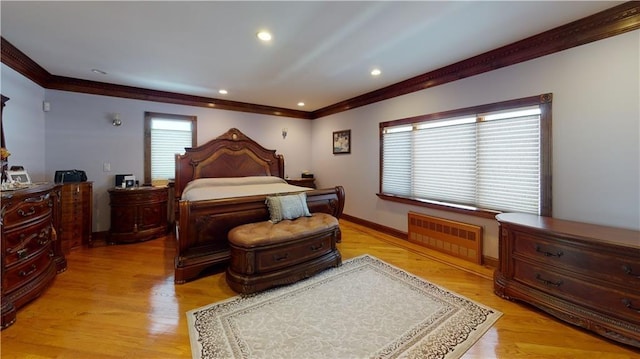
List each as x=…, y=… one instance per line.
x=121, y=302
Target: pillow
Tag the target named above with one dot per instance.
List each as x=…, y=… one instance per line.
x=287, y=207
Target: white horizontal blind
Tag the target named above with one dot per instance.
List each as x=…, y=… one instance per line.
x=509, y=164
x=445, y=163
x=396, y=159
x=168, y=137
x=491, y=162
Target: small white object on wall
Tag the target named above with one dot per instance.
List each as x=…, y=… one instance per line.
x=116, y=120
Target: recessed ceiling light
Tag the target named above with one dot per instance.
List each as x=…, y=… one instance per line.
x=264, y=35
x=96, y=71
x=375, y=72
x=300, y=103
x=223, y=91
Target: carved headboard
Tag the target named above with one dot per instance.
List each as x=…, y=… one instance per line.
x=231, y=154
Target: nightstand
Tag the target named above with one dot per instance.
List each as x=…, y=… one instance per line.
x=303, y=182
x=137, y=214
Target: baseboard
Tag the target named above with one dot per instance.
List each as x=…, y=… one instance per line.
x=99, y=239
x=487, y=261
x=375, y=226
x=490, y=261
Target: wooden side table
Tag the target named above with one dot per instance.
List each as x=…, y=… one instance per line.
x=303, y=182
x=137, y=214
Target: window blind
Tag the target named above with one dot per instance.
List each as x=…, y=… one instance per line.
x=445, y=163
x=509, y=164
x=168, y=137
x=396, y=157
x=490, y=161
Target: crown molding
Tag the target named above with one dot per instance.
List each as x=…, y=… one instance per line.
x=614, y=21
x=137, y=93
x=20, y=62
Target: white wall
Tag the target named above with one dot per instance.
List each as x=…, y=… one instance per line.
x=23, y=121
x=596, y=135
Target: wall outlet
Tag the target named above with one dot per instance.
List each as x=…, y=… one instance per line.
x=106, y=167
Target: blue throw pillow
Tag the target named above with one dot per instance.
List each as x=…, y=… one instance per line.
x=287, y=207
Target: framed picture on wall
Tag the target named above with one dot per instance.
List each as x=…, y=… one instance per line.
x=342, y=142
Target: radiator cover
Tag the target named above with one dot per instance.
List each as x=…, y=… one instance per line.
x=461, y=240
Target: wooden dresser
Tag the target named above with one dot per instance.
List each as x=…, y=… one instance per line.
x=137, y=214
x=31, y=251
x=584, y=274
x=77, y=218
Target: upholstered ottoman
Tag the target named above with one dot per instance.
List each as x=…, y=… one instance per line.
x=267, y=254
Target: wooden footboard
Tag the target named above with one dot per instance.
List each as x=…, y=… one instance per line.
x=202, y=227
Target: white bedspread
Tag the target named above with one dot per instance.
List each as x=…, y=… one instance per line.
x=217, y=188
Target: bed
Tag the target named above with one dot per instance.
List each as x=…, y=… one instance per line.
x=202, y=224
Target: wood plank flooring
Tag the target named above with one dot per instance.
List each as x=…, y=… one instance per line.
x=121, y=302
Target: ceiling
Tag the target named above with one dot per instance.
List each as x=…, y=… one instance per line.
x=322, y=52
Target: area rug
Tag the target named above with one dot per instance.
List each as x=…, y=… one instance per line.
x=365, y=308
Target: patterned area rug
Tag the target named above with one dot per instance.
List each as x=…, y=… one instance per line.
x=365, y=308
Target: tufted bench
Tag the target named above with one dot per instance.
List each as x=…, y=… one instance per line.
x=264, y=254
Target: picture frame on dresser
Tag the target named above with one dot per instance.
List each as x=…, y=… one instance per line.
x=21, y=177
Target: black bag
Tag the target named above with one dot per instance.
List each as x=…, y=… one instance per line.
x=70, y=176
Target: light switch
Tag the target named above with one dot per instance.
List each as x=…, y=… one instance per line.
x=106, y=167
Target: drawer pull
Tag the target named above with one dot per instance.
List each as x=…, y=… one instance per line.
x=22, y=253
x=38, y=199
x=23, y=242
x=27, y=214
x=549, y=254
x=628, y=270
x=317, y=247
x=43, y=237
x=281, y=258
x=548, y=282
x=28, y=273
x=627, y=303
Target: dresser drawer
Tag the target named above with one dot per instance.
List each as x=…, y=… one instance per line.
x=28, y=241
x=286, y=256
x=139, y=196
x=27, y=210
x=598, y=264
x=616, y=301
x=27, y=270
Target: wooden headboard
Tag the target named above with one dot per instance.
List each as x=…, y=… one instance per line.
x=231, y=154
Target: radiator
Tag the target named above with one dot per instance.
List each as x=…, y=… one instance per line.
x=461, y=240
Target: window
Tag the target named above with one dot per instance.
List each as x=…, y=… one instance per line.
x=165, y=135
x=483, y=160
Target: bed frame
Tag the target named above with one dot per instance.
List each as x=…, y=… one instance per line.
x=202, y=226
